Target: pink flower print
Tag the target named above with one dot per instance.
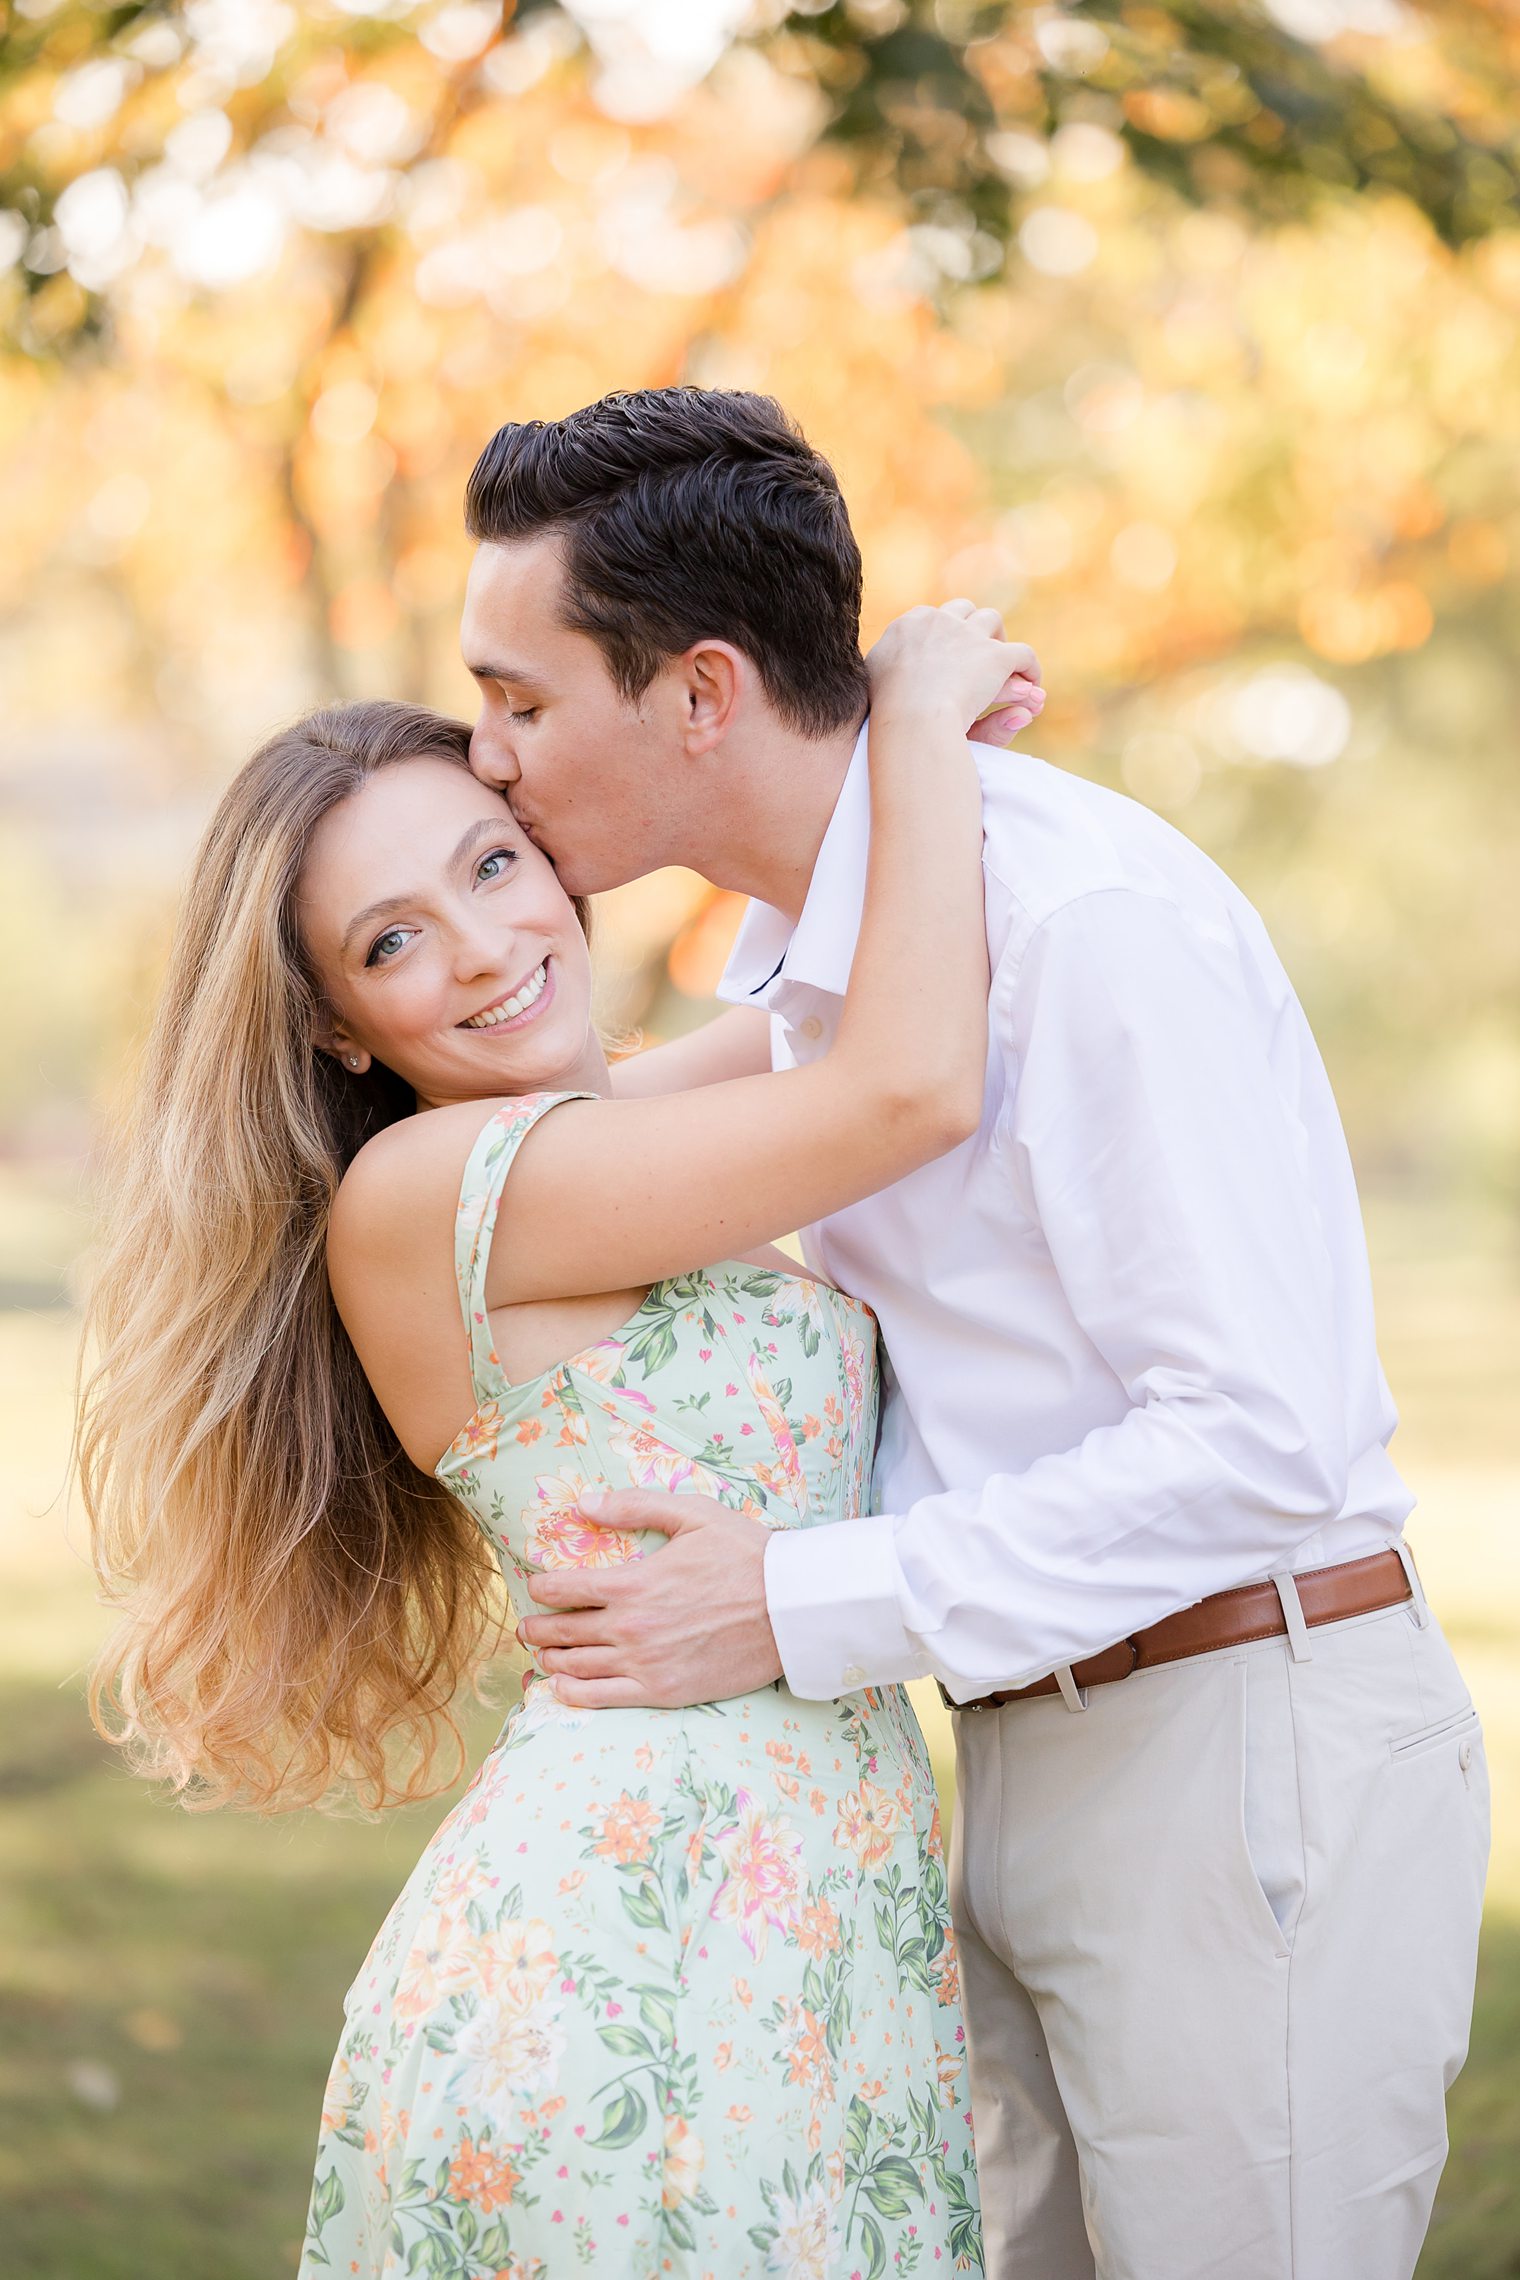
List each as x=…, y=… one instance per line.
x=852, y=1354
x=653, y=1463
x=603, y=1360
x=789, y=1463
x=761, y=1857
x=562, y=1538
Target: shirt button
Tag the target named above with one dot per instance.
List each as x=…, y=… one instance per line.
x=854, y=1675
x=812, y=1027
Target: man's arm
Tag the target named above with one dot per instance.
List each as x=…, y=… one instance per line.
x=1165, y=1174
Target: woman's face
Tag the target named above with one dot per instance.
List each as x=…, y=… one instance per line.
x=444, y=944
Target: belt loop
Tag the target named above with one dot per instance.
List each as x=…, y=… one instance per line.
x=1074, y=1696
x=1293, y=1616
x=1416, y=1588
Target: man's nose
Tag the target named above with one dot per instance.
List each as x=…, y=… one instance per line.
x=492, y=758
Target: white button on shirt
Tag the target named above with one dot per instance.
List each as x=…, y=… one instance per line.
x=1128, y=1325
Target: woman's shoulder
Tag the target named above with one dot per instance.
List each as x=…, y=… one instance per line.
x=407, y=1174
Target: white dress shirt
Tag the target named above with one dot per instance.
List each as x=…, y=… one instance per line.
x=1128, y=1325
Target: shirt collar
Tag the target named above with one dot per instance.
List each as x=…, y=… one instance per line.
x=820, y=948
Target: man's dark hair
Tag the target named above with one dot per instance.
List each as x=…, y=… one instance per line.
x=691, y=514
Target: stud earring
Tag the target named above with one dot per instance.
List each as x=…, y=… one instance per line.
x=353, y=1060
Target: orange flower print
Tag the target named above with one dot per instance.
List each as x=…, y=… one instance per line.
x=629, y=1828
x=867, y=1825
x=561, y=1538
x=806, y=2049
x=517, y=1961
x=761, y=1856
x=484, y=2178
x=947, y=1975
x=529, y=1429
x=818, y=1929
x=685, y=2160
x=476, y=1442
x=439, y=1963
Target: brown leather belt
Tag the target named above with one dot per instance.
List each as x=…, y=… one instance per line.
x=1229, y=1619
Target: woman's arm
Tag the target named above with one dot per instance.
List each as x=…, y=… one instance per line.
x=733, y=1044
x=610, y=1195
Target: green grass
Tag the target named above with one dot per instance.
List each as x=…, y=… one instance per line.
x=170, y=1985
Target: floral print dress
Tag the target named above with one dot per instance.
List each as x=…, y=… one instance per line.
x=670, y=1992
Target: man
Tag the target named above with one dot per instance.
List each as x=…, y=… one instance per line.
x=1222, y=1806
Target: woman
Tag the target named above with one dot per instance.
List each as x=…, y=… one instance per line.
x=669, y=1991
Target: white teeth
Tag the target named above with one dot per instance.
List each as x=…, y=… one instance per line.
x=528, y=995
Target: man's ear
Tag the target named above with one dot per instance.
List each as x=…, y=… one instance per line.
x=715, y=679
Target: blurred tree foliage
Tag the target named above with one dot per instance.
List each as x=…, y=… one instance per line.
x=1239, y=103
x=1188, y=335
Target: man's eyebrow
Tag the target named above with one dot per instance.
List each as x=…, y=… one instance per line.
x=518, y=675
x=489, y=827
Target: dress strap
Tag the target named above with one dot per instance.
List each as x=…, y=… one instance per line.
x=485, y=1175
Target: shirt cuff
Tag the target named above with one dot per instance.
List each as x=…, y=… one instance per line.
x=835, y=1604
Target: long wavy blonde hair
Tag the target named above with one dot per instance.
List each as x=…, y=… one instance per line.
x=300, y=1603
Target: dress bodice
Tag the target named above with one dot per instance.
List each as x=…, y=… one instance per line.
x=739, y=1382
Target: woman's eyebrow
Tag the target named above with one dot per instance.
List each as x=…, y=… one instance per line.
x=489, y=827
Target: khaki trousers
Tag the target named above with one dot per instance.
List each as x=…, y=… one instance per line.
x=1218, y=1935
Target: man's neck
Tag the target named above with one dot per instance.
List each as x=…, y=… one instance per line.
x=782, y=809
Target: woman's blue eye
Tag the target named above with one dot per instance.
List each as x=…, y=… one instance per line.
x=395, y=935
x=502, y=857
x=528, y=712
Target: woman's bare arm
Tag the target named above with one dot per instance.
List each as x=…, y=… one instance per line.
x=732, y=1044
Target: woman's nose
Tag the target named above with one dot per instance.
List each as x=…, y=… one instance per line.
x=479, y=949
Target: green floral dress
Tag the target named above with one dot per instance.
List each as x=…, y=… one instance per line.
x=671, y=1992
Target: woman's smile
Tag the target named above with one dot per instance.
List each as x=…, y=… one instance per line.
x=515, y=1009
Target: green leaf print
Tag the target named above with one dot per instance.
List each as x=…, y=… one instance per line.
x=645, y=1905
x=678, y=2229
x=653, y=1348
x=328, y=2198
x=624, y=2118
x=657, y=2010
x=626, y=2042
x=876, y=2248
x=857, y=2128
x=893, y=2186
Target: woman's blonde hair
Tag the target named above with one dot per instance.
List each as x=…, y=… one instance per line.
x=300, y=1601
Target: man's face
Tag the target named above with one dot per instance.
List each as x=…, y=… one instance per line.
x=595, y=781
